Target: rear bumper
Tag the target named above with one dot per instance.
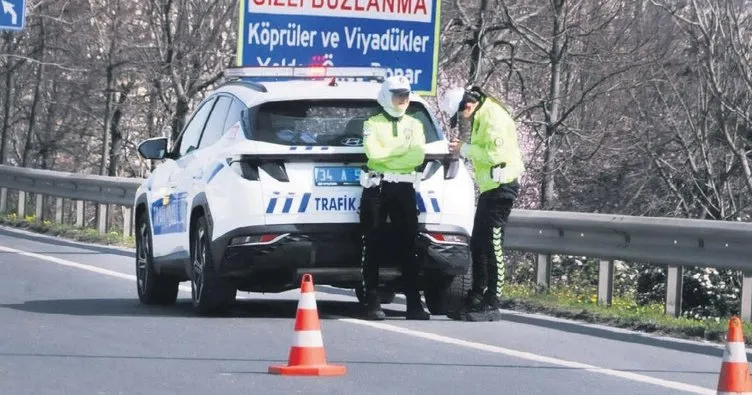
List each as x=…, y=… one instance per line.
x=331, y=252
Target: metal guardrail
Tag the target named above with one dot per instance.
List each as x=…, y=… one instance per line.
x=660, y=241
x=667, y=241
x=91, y=188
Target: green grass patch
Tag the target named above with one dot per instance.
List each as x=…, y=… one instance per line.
x=624, y=312
x=87, y=235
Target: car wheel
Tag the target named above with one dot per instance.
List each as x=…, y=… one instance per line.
x=210, y=293
x=152, y=287
x=445, y=294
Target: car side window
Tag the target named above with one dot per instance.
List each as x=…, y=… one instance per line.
x=192, y=134
x=215, y=125
x=234, y=115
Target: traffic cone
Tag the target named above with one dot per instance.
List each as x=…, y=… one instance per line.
x=307, y=356
x=734, y=377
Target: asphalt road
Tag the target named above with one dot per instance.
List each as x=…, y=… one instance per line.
x=71, y=324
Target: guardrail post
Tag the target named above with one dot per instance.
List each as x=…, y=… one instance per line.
x=127, y=221
x=746, y=307
x=21, y=204
x=674, y=282
x=102, y=218
x=3, y=200
x=59, y=210
x=543, y=272
x=38, y=213
x=605, y=282
x=80, y=213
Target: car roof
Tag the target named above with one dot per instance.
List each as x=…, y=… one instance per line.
x=253, y=93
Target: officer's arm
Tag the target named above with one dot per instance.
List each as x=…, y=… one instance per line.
x=373, y=147
x=416, y=149
x=495, y=152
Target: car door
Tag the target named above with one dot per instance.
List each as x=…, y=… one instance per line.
x=203, y=159
x=168, y=202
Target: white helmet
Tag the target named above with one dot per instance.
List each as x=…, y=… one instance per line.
x=393, y=85
x=450, y=103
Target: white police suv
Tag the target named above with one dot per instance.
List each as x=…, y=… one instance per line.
x=262, y=185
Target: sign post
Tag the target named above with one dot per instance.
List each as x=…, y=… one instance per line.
x=399, y=35
x=12, y=14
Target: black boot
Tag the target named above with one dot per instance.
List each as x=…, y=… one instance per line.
x=415, y=308
x=492, y=305
x=373, y=307
x=473, y=308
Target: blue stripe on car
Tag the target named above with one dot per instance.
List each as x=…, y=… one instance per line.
x=304, y=202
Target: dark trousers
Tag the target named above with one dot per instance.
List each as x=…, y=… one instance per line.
x=397, y=200
x=487, y=242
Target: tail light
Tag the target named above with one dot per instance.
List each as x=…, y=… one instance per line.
x=244, y=169
x=451, y=168
x=444, y=238
x=264, y=239
x=430, y=169
x=248, y=168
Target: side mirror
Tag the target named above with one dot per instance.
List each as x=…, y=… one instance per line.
x=153, y=148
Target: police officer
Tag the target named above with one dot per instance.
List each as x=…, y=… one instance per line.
x=497, y=162
x=394, y=144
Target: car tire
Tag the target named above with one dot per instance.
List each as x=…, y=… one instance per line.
x=445, y=294
x=210, y=293
x=386, y=296
x=152, y=288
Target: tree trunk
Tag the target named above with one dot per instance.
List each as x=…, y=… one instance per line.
x=178, y=121
x=36, y=99
x=106, y=131
x=6, y=111
x=550, y=145
x=117, y=136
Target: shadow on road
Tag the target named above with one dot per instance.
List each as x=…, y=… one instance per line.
x=335, y=361
x=242, y=308
x=710, y=350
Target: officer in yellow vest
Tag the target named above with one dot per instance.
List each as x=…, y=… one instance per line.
x=394, y=144
x=496, y=157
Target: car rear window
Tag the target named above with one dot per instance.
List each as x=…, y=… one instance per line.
x=324, y=122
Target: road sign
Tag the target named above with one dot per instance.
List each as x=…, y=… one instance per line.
x=400, y=35
x=12, y=14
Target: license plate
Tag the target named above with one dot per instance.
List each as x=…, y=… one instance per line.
x=336, y=176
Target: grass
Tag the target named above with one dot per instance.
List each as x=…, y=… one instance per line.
x=87, y=235
x=558, y=301
x=623, y=313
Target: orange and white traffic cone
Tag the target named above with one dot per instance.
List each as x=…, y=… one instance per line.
x=734, y=377
x=307, y=356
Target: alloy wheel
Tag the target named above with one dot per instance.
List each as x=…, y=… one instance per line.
x=198, y=264
x=142, y=258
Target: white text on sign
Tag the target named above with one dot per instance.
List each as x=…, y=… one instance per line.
x=396, y=10
x=294, y=35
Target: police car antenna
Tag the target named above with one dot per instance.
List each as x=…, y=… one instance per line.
x=372, y=73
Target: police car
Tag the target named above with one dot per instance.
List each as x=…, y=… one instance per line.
x=262, y=186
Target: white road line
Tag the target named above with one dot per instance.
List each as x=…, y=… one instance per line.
x=77, y=265
x=532, y=357
x=424, y=335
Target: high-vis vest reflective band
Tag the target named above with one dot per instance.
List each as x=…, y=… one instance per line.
x=394, y=145
x=494, y=141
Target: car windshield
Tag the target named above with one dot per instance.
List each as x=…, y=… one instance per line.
x=324, y=122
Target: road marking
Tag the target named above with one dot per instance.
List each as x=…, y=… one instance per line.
x=424, y=335
x=65, y=262
x=531, y=357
